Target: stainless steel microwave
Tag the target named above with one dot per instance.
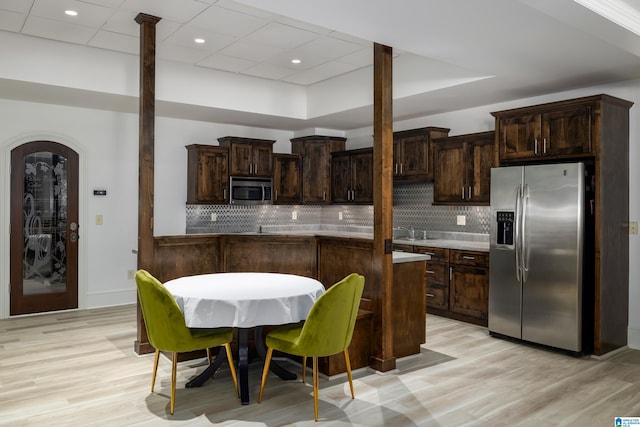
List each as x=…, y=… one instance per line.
x=250, y=190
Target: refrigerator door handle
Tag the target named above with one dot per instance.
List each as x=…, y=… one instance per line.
x=525, y=248
x=517, y=232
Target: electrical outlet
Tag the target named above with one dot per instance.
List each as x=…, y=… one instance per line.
x=130, y=274
x=340, y=217
x=294, y=215
x=98, y=219
x=633, y=227
x=461, y=220
x=214, y=217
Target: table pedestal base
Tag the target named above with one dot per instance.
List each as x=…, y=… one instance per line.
x=243, y=364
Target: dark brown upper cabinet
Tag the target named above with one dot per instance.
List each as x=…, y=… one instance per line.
x=249, y=156
x=352, y=176
x=413, y=153
x=316, y=165
x=287, y=178
x=546, y=132
x=207, y=174
x=463, y=169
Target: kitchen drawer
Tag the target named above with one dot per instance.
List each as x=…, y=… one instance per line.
x=470, y=258
x=403, y=248
x=437, y=254
x=436, y=273
x=438, y=297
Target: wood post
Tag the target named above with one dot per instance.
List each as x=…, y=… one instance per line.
x=382, y=358
x=146, y=157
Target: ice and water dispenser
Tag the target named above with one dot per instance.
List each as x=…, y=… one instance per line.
x=505, y=220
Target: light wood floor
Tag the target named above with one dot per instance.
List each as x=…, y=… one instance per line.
x=79, y=369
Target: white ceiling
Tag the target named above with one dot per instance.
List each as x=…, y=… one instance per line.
x=456, y=53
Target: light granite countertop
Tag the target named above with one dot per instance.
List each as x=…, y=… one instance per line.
x=447, y=240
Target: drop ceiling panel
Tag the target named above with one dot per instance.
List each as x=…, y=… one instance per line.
x=116, y=41
x=330, y=47
x=20, y=6
x=173, y=52
x=320, y=73
x=213, y=41
x=229, y=22
x=226, y=63
x=177, y=11
x=282, y=36
x=57, y=30
x=89, y=15
x=268, y=71
x=251, y=51
x=11, y=21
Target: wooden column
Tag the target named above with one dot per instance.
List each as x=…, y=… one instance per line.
x=146, y=157
x=382, y=345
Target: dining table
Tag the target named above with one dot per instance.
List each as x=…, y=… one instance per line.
x=243, y=300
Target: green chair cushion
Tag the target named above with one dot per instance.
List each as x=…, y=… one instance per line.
x=328, y=328
x=165, y=322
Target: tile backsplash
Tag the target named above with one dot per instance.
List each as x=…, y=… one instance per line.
x=412, y=207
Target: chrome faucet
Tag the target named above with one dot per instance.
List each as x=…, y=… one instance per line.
x=411, y=233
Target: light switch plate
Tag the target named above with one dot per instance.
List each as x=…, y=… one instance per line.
x=98, y=219
x=294, y=215
x=461, y=220
x=633, y=227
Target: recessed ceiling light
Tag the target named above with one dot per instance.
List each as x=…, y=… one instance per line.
x=71, y=12
x=295, y=61
x=199, y=41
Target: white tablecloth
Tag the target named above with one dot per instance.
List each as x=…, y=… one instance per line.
x=244, y=299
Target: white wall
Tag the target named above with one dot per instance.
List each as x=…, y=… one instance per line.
x=108, y=146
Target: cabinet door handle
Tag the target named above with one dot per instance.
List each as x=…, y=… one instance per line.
x=401, y=168
x=430, y=295
x=224, y=194
x=469, y=198
x=431, y=272
x=535, y=146
x=544, y=146
x=468, y=257
x=275, y=195
x=396, y=172
x=324, y=195
x=463, y=192
x=450, y=273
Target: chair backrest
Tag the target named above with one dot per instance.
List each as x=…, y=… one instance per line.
x=329, y=325
x=165, y=323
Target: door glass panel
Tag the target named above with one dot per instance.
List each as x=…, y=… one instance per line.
x=45, y=223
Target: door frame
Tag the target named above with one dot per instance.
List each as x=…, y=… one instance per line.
x=5, y=194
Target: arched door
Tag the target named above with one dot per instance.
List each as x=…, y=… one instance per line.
x=44, y=228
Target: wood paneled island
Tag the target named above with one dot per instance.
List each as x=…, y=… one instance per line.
x=326, y=258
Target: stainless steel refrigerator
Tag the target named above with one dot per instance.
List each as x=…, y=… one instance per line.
x=537, y=243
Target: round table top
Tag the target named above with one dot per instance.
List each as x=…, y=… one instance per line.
x=244, y=299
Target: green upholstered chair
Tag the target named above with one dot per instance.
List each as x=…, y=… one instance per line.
x=167, y=330
x=326, y=331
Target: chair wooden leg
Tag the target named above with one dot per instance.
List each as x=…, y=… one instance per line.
x=155, y=369
x=265, y=371
x=209, y=355
x=348, y=363
x=304, y=368
x=174, y=366
x=232, y=367
x=315, y=387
